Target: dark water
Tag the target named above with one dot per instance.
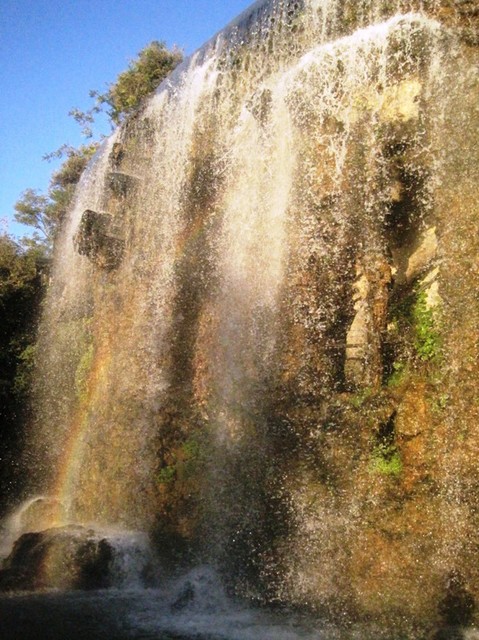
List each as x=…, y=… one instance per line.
x=154, y=614
x=191, y=606
x=57, y=616
x=135, y=615
x=79, y=616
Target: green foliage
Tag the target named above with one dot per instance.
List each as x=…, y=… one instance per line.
x=362, y=396
x=22, y=281
x=427, y=341
x=153, y=64
x=70, y=171
x=399, y=374
x=19, y=268
x=142, y=77
x=386, y=460
x=167, y=474
x=25, y=369
x=184, y=463
x=45, y=212
x=86, y=118
x=439, y=403
x=33, y=210
x=191, y=448
x=416, y=331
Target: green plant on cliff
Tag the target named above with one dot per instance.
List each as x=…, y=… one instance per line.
x=191, y=448
x=167, y=474
x=398, y=375
x=427, y=340
x=358, y=399
x=153, y=64
x=440, y=402
x=184, y=462
x=386, y=460
x=416, y=335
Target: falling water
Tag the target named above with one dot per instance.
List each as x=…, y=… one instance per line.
x=227, y=372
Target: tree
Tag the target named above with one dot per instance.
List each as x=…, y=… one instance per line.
x=144, y=74
x=44, y=213
x=22, y=283
x=32, y=211
x=23, y=275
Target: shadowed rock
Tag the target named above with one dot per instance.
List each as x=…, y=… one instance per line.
x=98, y=240
x=120, y=184
x=69, y=557
x=458, y=605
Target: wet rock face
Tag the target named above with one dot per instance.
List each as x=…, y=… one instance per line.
x=318, y=393
x=458, y=605
x=121, y=184
x=98, y=240
x=363, y=365
x=69, y=557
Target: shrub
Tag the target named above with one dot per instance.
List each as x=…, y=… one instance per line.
x=427, y=340
x=386, y=460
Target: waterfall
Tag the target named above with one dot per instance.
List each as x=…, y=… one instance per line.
x=239, y=355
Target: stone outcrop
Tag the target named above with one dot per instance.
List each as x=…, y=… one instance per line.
x=423, y=256
x=69, y=557
x=98, y=240
x=363, y=365
x=121, y=184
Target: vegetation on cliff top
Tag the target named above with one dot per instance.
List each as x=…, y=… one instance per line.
x=154, y=63
x=45, y=212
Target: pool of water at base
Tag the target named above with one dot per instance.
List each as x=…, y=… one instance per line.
x=146, y=615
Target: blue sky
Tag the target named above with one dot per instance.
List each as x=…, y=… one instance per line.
x=52, y=52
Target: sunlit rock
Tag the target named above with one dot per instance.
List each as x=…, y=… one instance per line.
x=401, y=101
x=423, y=255
x=363, y=366
x=398, y=103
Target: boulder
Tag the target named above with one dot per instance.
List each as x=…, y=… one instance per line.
x=120, y=184
x=69, y=557
x=423, y=255
x=99, y=239
x=363, y=363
